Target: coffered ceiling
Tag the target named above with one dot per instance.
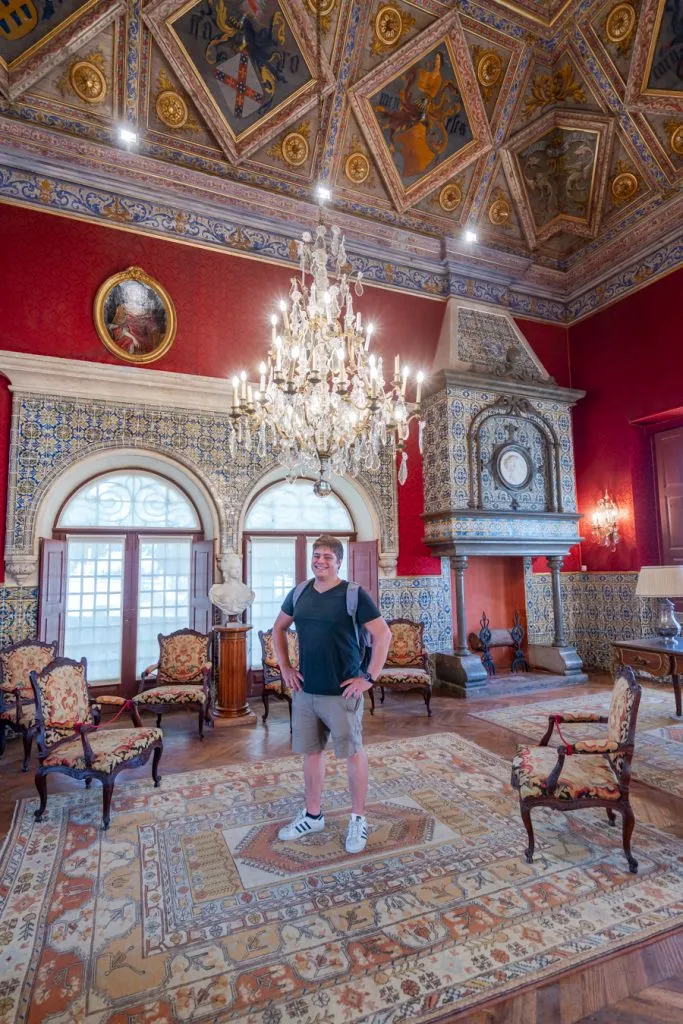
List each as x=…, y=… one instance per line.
x=552, y=128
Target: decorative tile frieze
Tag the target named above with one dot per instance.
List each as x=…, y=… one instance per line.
x=598, y=608
x=425, y=599
x=18, y=614
x=50, y=434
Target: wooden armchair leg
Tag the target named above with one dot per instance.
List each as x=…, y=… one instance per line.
x=201, y=722
x=526, y=818
x=156, y=757
x=107, y=791
x=158, y=721
x=428, y=698
x=28, y=743
x=381, y=698
x=372, y=700
x=265, y=698
x=611, y=816
x=3, y=738
x=629, y=822
x=41, y=786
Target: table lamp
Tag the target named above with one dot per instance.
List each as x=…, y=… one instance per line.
x=663, y=582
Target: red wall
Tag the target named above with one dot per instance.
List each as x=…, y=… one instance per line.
x=494, y=585
x=51, y=268
x=629, y=360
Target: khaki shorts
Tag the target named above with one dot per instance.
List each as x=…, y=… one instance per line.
x=315, y=718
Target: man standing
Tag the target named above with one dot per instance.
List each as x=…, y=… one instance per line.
x=328, y=690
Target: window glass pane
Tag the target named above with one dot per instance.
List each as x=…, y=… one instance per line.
x=163, y=594
x=93, y=606
x=272, y=566
x=129, y=500
x=295, y=506
x=310, y=541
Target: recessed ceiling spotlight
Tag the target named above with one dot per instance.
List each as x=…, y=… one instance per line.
x=127, y=136
x=470, y=236
x=323, y=192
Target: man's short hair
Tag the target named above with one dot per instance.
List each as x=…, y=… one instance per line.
x=325, y=540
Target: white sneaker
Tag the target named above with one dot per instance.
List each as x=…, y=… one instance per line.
x=301, y=826
x=357, y=836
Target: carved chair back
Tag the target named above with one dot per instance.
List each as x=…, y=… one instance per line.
x=62, y=703
x=623, y=714
x=271, y=669
x=17, y=660
x=407, y=644
x=182, y=657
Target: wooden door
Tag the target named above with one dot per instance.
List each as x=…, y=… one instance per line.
x=363, y=566
x=669, y=461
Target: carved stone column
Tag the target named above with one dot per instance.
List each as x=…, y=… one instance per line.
x=558, y=657
x=231, y=687
x=555, y=564
x=459, y=565
x=461, y=673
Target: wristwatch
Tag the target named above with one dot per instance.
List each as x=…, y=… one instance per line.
x=369, y=678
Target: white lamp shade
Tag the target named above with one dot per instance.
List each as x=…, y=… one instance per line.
x=660, y=581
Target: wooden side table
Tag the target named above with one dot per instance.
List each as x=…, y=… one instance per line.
x=654, y=656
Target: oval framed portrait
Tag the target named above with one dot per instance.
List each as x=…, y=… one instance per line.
x=134, y=316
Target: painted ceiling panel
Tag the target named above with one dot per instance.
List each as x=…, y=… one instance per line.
x=546, y=125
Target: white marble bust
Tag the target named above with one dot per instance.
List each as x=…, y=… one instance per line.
x=231, y=596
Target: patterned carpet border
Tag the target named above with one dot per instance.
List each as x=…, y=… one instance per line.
x=658, y=752
x=189, y=910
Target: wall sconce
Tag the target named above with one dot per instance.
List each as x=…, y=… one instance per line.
x=606, y=523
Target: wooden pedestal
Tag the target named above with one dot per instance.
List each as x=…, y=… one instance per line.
x=231, y=689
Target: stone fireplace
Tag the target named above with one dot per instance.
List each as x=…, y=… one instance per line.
x=498, y=472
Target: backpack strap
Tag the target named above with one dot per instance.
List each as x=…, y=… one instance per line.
x=299, y=589
x=352, y=591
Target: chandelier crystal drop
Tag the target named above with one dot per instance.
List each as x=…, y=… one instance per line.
x=323, y=401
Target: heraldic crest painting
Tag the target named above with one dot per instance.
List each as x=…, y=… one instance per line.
x=134, y=316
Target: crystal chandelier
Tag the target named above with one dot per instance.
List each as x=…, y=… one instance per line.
x=323, y=401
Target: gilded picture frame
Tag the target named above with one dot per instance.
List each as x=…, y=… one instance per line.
x=134, y=316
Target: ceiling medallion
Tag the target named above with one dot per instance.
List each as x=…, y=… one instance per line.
x=87, y=81
x=620, y=23
x=326, y=6
x=489, y=69
x=357, y=168
x=624, y=186
x=295, y=149
x=500, y=212
x=171, y=109
x=675, y=130
x=388, y=25
x=450, y=197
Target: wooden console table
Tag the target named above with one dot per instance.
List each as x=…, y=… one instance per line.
x=656, y=657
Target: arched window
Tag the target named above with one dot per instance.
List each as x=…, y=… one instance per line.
x=130, y=544
x=279, y=530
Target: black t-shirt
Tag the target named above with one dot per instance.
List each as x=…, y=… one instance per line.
x=328, y=648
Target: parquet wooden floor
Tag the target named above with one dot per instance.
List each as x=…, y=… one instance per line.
x=643, y=986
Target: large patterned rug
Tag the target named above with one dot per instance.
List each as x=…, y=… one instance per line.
x=190, y=910
x=658, y=755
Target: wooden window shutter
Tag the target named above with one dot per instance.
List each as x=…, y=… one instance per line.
x=363, y=566
x=669, y=458
x=52, y=592
x=201, y=579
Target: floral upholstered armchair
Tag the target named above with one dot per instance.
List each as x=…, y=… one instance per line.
x=586, y=773
x=407, y=665
x=272, y=680
x=181, y=679
x=70, y=741
x=17, y=706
